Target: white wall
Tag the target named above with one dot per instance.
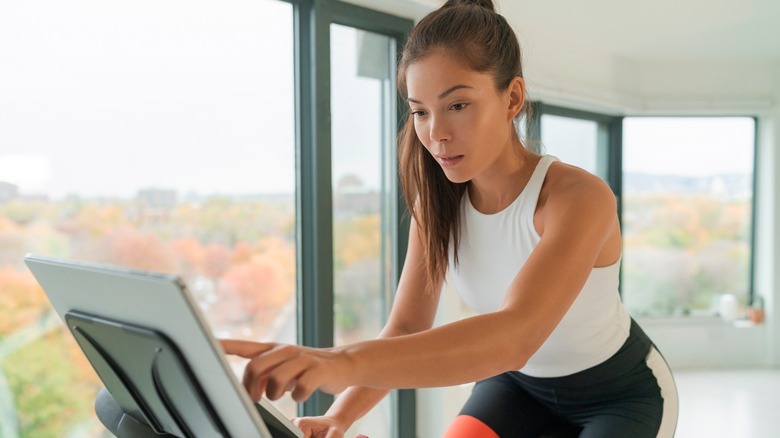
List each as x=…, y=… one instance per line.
x=768, y=282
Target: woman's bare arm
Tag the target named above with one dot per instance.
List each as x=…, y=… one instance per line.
x=413, y=311
x=580, y=218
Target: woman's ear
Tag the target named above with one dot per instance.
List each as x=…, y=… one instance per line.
x=516, y=94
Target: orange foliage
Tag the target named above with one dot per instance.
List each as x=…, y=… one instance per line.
x=280, y=250
x=359, y=240
x=23, y=300
x=259, y=287
x=259, y=281
x=8, y=226
x=98, y=220
x=242, y=253
x=141, y=251
x=191, y=255
x=217, y=260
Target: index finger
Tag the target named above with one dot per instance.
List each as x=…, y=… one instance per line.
x=245, y=349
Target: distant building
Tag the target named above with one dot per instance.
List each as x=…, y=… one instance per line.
x=158, y=199
x=351, y=204
x=8, y=191
x=154, y=205
x=725, y=186
x=351, y=198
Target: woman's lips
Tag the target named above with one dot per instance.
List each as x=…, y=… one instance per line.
x=450, y=161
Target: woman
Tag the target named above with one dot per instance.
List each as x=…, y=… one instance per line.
x=530, y=243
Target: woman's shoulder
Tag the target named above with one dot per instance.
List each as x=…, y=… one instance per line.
x=568, y=183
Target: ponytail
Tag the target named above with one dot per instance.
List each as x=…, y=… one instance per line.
x=483, y=40
x=487, y=4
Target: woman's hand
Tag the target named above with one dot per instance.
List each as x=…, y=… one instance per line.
x=320, y=427
x=274, y=369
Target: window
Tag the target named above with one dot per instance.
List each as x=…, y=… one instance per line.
x=580, y=138
x=147, y=134
x=359, y=137
x=573, y=141
x=685, y=193
x=687, y=213
x=156, y=136
x=363, y=94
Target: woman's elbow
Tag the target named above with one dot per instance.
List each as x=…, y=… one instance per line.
x=509, y=359
x=516, y=360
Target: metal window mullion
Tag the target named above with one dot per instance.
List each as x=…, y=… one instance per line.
x=370, y=20
x=314, y=204
x=314, y=200
x=615, y=160
x=404, y=404
x=533, y=125
x=404, y=400
x=753, y=220
x=615, y=176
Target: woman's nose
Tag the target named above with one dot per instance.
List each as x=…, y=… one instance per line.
x=440, y=130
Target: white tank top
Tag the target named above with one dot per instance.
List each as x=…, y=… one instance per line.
x=493, y=248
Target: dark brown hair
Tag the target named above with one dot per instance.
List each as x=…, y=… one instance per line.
x=472, y=31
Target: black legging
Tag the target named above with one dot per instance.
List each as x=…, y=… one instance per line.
x=631, y=394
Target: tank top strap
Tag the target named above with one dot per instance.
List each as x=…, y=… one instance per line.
x=534, y=186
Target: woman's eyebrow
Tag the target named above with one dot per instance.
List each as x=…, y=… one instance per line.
x=444, y=94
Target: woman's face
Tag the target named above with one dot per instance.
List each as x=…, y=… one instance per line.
x=459, y=116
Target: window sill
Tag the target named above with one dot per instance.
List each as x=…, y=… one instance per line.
x=708, y=341
x=696, y=321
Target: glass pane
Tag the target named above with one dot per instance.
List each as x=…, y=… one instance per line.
x=687, y=213
x=144, y=134
x=362, y=117
x=574, y=141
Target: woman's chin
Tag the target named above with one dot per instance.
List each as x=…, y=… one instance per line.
x=456, y=177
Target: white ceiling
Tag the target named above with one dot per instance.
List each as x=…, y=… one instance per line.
x=712, y=30
x=631, y=53
x=707, y=30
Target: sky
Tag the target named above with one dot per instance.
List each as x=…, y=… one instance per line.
x=694, y=146
x=106, y=97
x=689, y=145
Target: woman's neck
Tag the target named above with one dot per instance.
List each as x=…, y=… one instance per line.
x=499, y=186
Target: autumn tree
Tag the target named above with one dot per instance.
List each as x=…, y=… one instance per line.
x=23, y=301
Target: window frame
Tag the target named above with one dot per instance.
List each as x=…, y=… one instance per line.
x=609, y=125
x=614, y=159
x=314, y=197
x=751, y=291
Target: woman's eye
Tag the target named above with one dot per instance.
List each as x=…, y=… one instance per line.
x=418, y=113
x=459, y=106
